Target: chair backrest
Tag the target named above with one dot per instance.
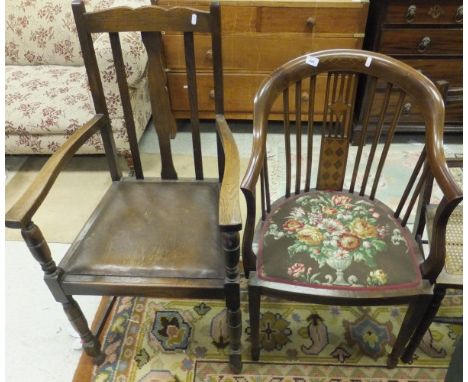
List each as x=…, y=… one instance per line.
x=152, y=22
x=335, y=73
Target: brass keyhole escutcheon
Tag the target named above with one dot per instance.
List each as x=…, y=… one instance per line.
x=435, y=12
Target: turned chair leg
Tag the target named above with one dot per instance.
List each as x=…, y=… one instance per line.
x=428, y=317
x=91, y=344
x=41, y=252
x=254, y=314
x=410, y=323
x=232, y=291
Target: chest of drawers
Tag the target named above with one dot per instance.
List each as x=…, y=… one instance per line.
x=257, y=37
x=427, y=35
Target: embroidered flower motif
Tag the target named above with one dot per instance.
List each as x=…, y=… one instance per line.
x=296, y=270
x=342, y=200
x=310, y=235
x=362, y=228
x=331, y=226
x=349, y=242
x=292, y=225
x=325, y=231
x=329, y=211
x=377, y=277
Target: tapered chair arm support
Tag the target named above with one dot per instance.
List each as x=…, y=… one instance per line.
x=248, y=187
x=19, y=216
x=229, y=208
x=453, y=196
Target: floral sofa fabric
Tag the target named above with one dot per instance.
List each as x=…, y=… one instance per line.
x=47, y=95
x=337, y=240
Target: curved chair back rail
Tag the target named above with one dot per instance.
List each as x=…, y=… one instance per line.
x=337, y=73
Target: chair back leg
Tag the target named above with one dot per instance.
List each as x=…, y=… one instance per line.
x=410, y=323
x=428, y=317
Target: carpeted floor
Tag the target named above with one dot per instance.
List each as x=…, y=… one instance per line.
x=184, y=340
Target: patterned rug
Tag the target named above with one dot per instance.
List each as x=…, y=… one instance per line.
x=186, y=340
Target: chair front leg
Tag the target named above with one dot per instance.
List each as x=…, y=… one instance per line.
x=411, y=321
x=232, y=290
x=41, y=252
x=91, y=344
x=254, y=315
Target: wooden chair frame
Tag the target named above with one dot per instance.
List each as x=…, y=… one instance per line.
x=411, y=83
x=150, y=21
x=444, y=279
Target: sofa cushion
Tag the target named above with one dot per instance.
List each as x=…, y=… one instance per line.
x=19, y=141
x=337, y=240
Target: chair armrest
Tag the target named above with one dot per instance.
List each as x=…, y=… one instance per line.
x=19, y=216
x=257, y=156
x=229, y=208
x=453, y=195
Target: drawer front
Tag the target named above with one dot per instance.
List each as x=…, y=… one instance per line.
x=450, y=69
x=324, y=19
x=251, y=52
x=422, y=41
x=424, y=12
x=239, y=93
x=410, y=113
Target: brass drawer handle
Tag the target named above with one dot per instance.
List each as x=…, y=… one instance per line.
x=407, y=108
x=209, y=54
x=304, y=96
x=410, y=13
x=459, y=14
x=211, y=94
x=310, y=22
x=424, y=44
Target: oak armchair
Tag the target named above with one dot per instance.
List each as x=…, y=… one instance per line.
x=322, y=242
x=165, y=237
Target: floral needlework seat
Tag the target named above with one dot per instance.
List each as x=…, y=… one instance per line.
x=337, y=240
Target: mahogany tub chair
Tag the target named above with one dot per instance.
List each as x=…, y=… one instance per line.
x=165, y=237
x=323, y=243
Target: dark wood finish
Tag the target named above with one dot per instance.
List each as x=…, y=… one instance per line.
x=342, y=68
x=444, y=42
x=159, y=101
x=193, y=100
x=126, y=104
x=427, y=35
x=97, y=92
x=148, y=237
x=424, y=12
x=444, y=279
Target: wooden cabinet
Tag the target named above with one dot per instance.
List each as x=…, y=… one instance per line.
x=427, y=35
x=257, y=37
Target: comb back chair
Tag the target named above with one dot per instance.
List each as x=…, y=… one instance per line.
x=329, y=244
x=164, y=237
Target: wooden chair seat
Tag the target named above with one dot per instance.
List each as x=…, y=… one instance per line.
x=147, y=229
x=337, y=240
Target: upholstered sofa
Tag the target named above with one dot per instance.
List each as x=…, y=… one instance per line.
x=47, y=95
